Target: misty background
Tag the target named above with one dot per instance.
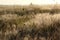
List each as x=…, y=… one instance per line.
x=27, y=2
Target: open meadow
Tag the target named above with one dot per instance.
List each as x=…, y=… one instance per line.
x=31, y=22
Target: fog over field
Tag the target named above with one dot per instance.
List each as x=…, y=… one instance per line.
x=29, y=19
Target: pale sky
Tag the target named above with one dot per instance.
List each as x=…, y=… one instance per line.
x=27, y=2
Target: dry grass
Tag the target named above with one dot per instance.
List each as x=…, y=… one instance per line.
x=40, y=27
x=48, y=26
x=29, y=23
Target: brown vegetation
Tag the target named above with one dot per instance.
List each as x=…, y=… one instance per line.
x=29, y=23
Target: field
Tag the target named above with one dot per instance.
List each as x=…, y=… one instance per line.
x=32, y=22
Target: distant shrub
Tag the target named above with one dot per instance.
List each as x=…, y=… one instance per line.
x=54, y=10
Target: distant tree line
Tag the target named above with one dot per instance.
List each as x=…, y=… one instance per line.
x=25, y=11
